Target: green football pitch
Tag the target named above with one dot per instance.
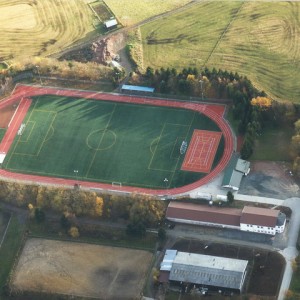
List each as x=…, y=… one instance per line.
x=105, y=141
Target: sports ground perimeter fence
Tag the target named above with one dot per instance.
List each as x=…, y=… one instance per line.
x=183, y=98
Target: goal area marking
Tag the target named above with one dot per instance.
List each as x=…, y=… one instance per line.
x=201, y=151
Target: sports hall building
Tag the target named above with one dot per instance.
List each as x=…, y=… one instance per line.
x=213, y=272
x=252, y=219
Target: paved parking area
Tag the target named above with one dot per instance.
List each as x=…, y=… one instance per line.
x=270, y=179
x=225, y=235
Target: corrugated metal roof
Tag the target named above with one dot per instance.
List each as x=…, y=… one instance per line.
x=167, y=262
x=208, y=270
x=170, y=255
x=204, y=213
x=137, y=88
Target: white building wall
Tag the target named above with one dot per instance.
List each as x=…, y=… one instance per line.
x=243, y=227
x=203, y=223
x=258, y=229
x=243, y=279
x=280, y=229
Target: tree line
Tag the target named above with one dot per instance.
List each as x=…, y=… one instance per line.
x=46, y=66
x=251, y=108
x=206, y=83
x=139, y=210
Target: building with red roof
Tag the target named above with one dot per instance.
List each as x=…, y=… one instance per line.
x=253, y=219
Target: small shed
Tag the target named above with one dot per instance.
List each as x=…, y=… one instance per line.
x=110, y=24
x=115, y=64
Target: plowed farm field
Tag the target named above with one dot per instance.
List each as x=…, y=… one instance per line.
x=35, y=28
x=82, y=270
x=258, y=39
x=133, y=11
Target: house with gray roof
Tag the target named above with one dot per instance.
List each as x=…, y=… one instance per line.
x=236, y=169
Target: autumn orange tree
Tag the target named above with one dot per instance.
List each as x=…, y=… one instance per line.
x=262, y=102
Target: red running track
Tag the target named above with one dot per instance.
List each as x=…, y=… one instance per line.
x=214, y=112
x=12, y=130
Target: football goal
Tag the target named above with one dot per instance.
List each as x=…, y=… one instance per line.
x=183, y=147
x=116, y=184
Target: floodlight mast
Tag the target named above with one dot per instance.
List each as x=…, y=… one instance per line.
x=76, y=174
x=201, y=85
x=166, y=182
x=38, y=70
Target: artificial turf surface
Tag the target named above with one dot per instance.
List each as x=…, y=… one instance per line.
x=134, y=144
x=2, y=133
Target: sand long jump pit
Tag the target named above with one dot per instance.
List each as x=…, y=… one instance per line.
x=81, y=269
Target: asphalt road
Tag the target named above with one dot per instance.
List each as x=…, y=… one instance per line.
x=290, y=252
x=234, y=237
x=284, y=243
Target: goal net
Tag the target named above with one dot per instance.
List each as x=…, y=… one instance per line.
x=116, y=184
x=183, y=147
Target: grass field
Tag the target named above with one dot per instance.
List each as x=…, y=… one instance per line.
x=2, y=133
x=101, y=10
x=81, y=269
x=42, y=27
x=258, y=39
x=134, y=11
x=9, y=248
x=100, y=235
x=137, y=145
x=272, y=144
x=295, y=285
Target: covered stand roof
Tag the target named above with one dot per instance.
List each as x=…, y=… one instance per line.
x=137, y=88
x=208, y=270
